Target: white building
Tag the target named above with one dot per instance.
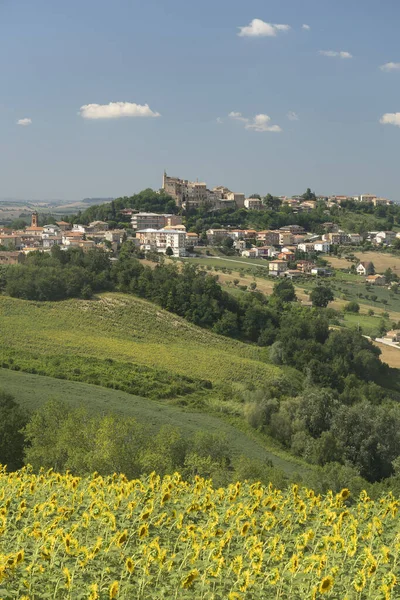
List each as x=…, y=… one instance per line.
x=162, y=239
x=322, y=246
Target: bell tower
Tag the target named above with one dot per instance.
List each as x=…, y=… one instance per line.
x=34, y=219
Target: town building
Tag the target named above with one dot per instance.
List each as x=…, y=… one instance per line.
x=254, y=204
x=276, y=267
x=148, y=220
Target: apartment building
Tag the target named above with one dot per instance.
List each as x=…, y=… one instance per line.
x=148, y=220
x=160, y=240
x=254, y=204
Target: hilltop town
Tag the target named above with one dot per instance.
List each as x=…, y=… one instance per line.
x=290, y=250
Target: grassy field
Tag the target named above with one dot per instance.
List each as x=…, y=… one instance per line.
x=32, y=391
x=125, y=328
x=381, y=260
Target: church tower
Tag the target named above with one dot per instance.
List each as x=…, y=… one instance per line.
x=35, y=219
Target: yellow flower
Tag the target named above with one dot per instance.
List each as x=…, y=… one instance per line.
x=294, y=563
x=360, y=581
x=165, y=498
x=344, y=494
x=234, y=596
x=274, y=577
x=122, y=538
x=326, y=584
x=114, y=590
x=245, y=528
x=189, y=579
x=143, y=531
x=130, y=565
x=94, y=592
x=67, y=577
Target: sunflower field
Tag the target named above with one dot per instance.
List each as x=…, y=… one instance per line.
x=63, y=537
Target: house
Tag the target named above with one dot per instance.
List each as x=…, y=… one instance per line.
x=285, y=237
x=160, y=240
x=292, y=229
x=63, y=225
x=250, y=253
x=321, y=246
x=305, y=266
x=192, y=239
x=306, y=247
x=216, y=235
x=288, y=256
x=376, y=279
x=11, y=258
x=321, y=272
x=355, y=238
x=393, y=335
x=98, y=226
x=385, y=237
x=254, y=204
x=270, y=238
x=276, y=267
x=12, y=241
x=267, y=252
x=365, y=268
x=292, y=274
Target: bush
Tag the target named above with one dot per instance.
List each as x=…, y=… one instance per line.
x=352, y=307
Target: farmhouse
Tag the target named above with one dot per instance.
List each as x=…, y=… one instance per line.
x=365, y=268
x=376, y=279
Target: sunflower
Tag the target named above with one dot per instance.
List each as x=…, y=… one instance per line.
x=326, y=585
x=189, y=579
x=94, y=592
x=129, y=565
x=122, y=538
x=114, y=590
x=360, y=581
x=344, y=494
x=245, y=528
x=165, y=498
x=143, y=531
x=67, y=575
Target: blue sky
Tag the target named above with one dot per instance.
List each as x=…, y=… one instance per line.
x=186, y=61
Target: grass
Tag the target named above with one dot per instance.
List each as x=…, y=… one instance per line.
x=34, y=390
x=129, y=330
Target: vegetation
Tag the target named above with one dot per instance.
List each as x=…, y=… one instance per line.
x=109, y=537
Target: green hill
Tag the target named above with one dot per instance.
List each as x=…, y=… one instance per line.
x=124, y=329
x=34, y=390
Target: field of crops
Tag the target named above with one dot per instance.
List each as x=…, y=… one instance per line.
x=126, y=330
x=103, y=538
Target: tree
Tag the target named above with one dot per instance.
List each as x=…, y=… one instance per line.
x=169, y=251
x=308, y=195
x=321, y=296
x=284, y=290
x=12, y=420
x=352, y=307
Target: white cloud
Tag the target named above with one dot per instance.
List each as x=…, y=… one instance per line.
x=306, y=27
x=258, y=123
x=116, y=110
x=390, y=119
x=24, y=122
x=262, y=123
x=258, y=28
x=237, y=116
x=332, y=53
x=390, y=66
x=292, y=116
x=219, y=120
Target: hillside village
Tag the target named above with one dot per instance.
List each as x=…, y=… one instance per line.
x=289, y=251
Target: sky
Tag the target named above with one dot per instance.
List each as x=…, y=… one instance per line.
x=97, y=98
